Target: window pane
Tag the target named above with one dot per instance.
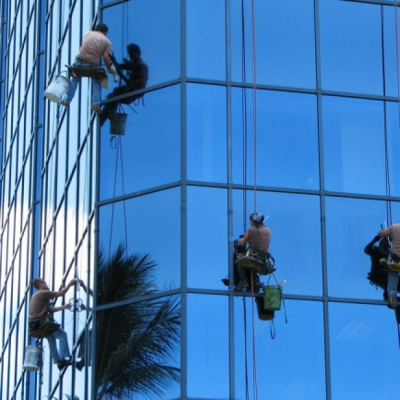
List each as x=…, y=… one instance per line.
x=285, y=367
x=141, y=339
x=149, y=153
x=286, y=136
x=130, y=22
x=205, y=49
x=393, y=138
x=146, y=225
x=350, y=225
x=207, y=256
x=206, y=132
x=284, y=42
x=353, y=145
x=297, y=253
x=364, y=362
x=208, y=352
x=351, y=54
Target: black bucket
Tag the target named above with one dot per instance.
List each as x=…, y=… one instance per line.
x=117, y=123
x=263, y=314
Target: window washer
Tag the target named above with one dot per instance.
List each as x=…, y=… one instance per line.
x=255, y=258
x=378, y=250
x=39, y=309
x=95, y=46
x=393, y=274
x=136, y=79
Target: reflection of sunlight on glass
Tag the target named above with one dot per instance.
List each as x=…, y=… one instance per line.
x=358, y=330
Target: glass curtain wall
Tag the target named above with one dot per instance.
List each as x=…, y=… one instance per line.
x=220, y=108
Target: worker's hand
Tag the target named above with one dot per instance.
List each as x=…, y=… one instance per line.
x=112, y=71
x=68, y=306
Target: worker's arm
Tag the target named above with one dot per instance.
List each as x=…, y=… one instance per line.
x=245, y=238
x=385, y=232
x=59, y=308
x=83, y=286
x=108, y=62
x=61, y=292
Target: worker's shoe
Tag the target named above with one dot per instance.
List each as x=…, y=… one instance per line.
x=62, y=363
x=80, y=364
x=393, y=299
x=96, y=108
x=257, y=286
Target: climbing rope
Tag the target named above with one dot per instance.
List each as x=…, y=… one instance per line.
x=118, y=159
x=254, y=96
x=244, y=145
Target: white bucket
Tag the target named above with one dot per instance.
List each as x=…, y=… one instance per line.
x=33, y=358
x=58, y=86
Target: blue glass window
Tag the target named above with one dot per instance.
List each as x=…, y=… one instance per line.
x=283, y=40
x=284, y=143
x=351, y=54
x=353, y=143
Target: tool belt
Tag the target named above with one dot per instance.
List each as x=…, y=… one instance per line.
x=258, y=260
x=43, y=328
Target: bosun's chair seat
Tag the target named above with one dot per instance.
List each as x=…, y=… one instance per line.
x=98, y=73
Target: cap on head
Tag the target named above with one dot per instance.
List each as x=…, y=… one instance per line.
x=101, y=28
x=257, y=217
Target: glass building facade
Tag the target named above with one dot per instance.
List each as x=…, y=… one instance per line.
x=287, y=108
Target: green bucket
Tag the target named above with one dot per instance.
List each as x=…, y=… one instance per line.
x=272, y=297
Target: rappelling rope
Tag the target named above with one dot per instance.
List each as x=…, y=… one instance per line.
x=244, y=146
x=245, y=138
x=118, y=159
x=254, y=93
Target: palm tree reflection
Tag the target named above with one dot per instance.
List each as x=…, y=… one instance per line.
x=135, y=342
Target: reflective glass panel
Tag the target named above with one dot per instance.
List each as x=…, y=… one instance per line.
x=283, y=367
x=207, y=256
x=208, y=351
x=283, y=143
x=137, y=349
x=393, y=147
x=351, y=39
x=149, y=153
x=146, y=225
x=205, y=39
x=363, y=353
x=294, y=221
x=390, y=53
x=283, y=34
x=154, y=25
x=353, y=144
x=206, y=133
x=350, y=225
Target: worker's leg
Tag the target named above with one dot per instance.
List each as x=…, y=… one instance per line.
x=53, y=347
x=393, y=280
x=61, y=336
x=96, y=97
x=69, y=95
x=242, y=273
